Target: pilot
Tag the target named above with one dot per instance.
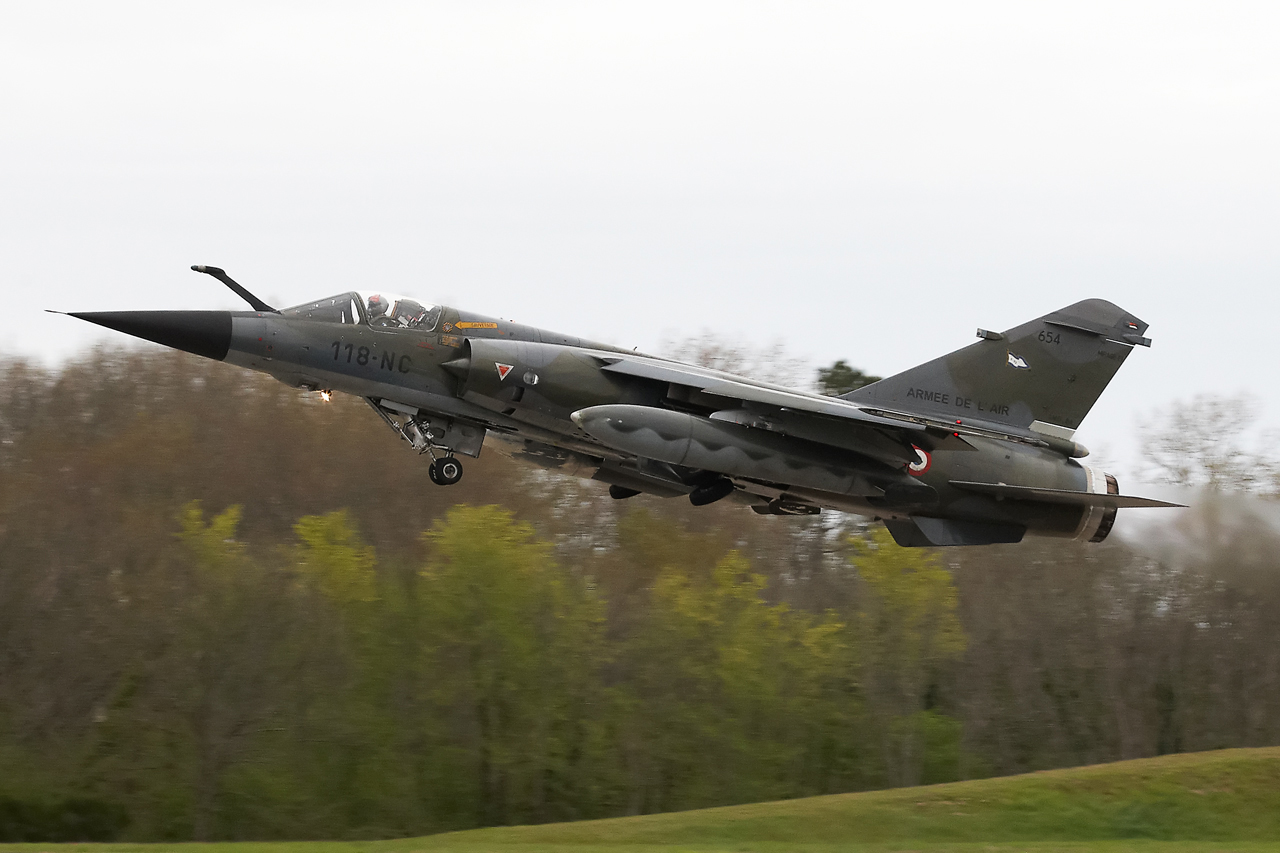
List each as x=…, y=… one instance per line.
x=378, y=311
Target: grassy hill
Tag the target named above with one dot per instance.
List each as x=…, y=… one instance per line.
x=1203, y=799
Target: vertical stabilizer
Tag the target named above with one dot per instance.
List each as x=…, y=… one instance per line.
x=1044, y=375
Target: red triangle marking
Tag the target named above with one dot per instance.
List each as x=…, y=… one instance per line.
x=503, y=370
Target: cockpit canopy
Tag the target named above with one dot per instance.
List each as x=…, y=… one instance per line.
x=373, y=308
x=387, y=309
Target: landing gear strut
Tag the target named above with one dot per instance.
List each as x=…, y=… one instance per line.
x=429, y=438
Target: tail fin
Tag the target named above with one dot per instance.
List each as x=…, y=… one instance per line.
x=1048, y=372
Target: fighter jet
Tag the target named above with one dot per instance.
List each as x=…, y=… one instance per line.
x=976, y=447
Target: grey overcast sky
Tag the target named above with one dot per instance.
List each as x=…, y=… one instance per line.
x=861, y=181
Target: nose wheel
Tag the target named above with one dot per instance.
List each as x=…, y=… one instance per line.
x=445, y=471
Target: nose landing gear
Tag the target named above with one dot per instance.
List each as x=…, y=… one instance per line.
x=432, y=437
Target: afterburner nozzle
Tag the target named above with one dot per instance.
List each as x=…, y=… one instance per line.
x=206, y=333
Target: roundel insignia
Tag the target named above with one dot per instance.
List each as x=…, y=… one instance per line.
x=922, y=463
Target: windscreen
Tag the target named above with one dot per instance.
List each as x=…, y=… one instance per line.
x=343, y=308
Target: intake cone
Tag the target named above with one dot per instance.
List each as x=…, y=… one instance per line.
x=206, y=333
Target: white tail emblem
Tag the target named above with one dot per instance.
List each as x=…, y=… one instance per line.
x=1016, y=361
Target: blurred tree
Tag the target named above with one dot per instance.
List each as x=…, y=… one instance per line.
x=908, y=631
x=770, y=363
x=331, y=555
x=515, y=653
x=726, y=696
x=1040, y=682
x=226, y=673
x=1203, y=443
x=294, y=672
x=840, y=378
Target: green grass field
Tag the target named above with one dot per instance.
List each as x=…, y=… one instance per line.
x=1228, y=800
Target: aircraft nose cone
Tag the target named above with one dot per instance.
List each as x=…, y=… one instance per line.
x=206, y=333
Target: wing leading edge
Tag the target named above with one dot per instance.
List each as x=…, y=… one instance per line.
x=730, y=387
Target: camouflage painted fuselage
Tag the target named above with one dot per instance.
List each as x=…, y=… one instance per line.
x=974, y=447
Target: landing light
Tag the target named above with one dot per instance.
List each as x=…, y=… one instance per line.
x=326, y=395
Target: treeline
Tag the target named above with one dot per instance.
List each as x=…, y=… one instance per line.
x=228, y=610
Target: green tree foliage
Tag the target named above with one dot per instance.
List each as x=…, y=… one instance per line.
x=230, y=611
x=728, y=691
x=513, y=649
x=75, y=819
x=840, y=379
x=331, y=556
x=909, y=632
x=225, y=670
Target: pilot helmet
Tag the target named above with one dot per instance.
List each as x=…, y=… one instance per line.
x=377, y=306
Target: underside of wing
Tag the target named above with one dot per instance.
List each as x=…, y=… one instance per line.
x=1065, y=496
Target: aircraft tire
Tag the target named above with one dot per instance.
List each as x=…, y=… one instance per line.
x=446, y=471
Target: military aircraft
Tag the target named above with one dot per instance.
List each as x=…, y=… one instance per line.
x=976, y=447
